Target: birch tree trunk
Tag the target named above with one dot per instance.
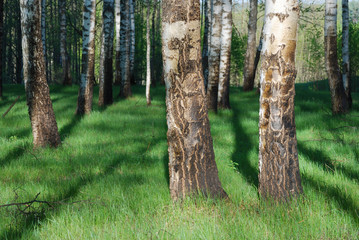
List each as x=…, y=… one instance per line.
x=42, y=117
x=225, y=55
x=105, y=94
x=249, y=64
x=339, y=100
x=132, y=41
x=279, y=176
x=153, y=43
x=43, y=34
x=345, y=52
x=206, y=39
x=1, y=40
x=148, y=55
x=66, y=74
x=125, y=90
x=84, y=102
x=214, y=55
x=118, y=40
x=192, y=167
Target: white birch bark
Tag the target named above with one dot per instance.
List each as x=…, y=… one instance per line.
x=148, y=55
x=118, y=48
x=214, y=55
x=345, y=51
x=279, y=177
x=225, y=55
x=132, y=41
x=84, y=104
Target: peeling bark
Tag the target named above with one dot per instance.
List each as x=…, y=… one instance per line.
x=214, y=55
x=279, y=176
x=249, y=64
x=105, y=90
x=192, y=167
x=84, y=102
x=42, y=117
x=345, y=53
x=225, y=56
x=339, y=100
x=66, y=74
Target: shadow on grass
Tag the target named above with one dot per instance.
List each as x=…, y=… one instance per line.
x=243, y=146
x=14, y=154
x=66, y=130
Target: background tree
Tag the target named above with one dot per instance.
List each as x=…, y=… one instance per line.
x=249, y=65
x=42, y=117
x=84, y=102
x=65, y=61
x=132, y=5
x=225, y=55
x=214, y=55
x=279, y=176
x=206, y=39
x=148, y=55
x=125, y=90
x=339, y=100
x=118, y=40
x=345, y=52
x=192, y=167
x=105, y=94
x=1, y=37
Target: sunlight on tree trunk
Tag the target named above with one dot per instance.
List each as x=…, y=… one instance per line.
x=148, y=55
x=279, y=177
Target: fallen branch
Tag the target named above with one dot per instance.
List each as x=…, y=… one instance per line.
x=12, y=105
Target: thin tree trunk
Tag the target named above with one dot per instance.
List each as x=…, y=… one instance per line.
x=279, y=177
x=118, y=39
x=345, y=52
x=1, y=45
x=84, y=101
x=66, y=74
x=148, y=55
x=132, y=41
x=249, y=64
x=339, y=100
x=125, y=90
x=258, y=57
x=105, y=95
x=42, y=117
x=225, y=56
x=192, y=167
x=153, y=43
x=19, y=48
x=214, y=55
x=205, y=42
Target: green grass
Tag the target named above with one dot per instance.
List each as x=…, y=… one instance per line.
x=111, y=177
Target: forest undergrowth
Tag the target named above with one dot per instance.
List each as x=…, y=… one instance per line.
x=109, y=178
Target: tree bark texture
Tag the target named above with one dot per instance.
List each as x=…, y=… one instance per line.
x=249, y=64
x=206, y=39
x=279, y=177
x=214, y=55
x=43, y=32
x=105, y=94
x=345, y=52
x=118, y=40
x=132, y=41
x=84, y=102
x=148, y=55
x=225, y=55
x=339, y=100
x=66, y=74
x=42, y=117
x=153, y=43
x=1, y=41
x=125, y=90
x=192, y=166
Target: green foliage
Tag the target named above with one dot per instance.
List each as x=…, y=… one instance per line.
x=110, y=176
x=239, y=47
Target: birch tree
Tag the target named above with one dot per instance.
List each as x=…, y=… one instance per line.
x=105, y=93
x=1, y=40
x=84, y=102
x=249, y=64
x=43, y=32
x=125, y=90
x=345, y=52
x=214, y=54
x=279, y=176
x=225, y=55
x=42, y=117
x=339, y=100
x=118, y=41
x=206, y=40
x=148, y=55
x=66, y=74
x=192, y=167
x=132, y=40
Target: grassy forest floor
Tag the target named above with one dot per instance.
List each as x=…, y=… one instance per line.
x=109, y=179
